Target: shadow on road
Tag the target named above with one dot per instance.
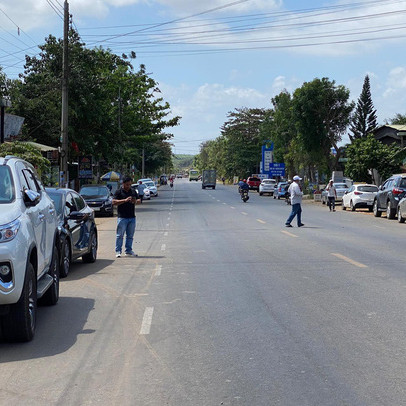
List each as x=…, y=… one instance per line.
x=80, y=270
x=57, y=330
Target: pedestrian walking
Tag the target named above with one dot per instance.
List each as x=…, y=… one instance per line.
x=125, y=199
x=295, y=192
x=140, y=189
x=331, y=195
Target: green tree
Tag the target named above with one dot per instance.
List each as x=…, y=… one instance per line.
x=27, y=152
x=399, y=119
x=114, y=111
x=366, y=154
x=364, y=120
x=321, y=111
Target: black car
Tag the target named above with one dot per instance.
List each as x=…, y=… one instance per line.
x=389, y=195
x=77, y=228
x=99, y=198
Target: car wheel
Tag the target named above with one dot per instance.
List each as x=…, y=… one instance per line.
x=343, y=206
x=400, y=218
x=390, y=213
x=274, y=196
x=19, y=323
x=65, y=263
x=352, y=206
x=91, y=256
x=375, y=209
x=260, y=193
x=279, y=197
x=51, y=296
x=323, y=201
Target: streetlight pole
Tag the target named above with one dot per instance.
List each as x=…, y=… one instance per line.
x=64, y=175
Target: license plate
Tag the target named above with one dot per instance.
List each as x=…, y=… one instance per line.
x=96, y=208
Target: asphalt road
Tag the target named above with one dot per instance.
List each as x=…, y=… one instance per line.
x=225, y=306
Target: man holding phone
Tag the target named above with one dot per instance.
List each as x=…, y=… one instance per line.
x=125, y=198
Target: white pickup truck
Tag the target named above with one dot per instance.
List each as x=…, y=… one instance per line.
x=29, y=265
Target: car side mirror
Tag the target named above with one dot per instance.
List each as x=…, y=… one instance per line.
x=31, y=198
x=76, y=215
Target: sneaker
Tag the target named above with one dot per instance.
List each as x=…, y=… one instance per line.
x=288, y=225
x=118, y=254
x=300, y=225
x=131, y=254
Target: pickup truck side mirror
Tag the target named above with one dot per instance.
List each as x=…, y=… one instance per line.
x=31, y=198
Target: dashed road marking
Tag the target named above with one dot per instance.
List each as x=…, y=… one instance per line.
x=163, y=247
x=147, y=321
x=349, y=260
x=288, y=233
x=165, y=234
x=261, y=221
x=232, y=207
x=224, y=203
x=245, y=214
x=158, y=270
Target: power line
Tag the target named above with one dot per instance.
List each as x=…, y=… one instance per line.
x=55, y=8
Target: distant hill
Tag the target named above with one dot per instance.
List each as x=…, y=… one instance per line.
x=182, y=162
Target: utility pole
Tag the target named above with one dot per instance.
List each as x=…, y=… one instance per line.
x=64, y=174
x=143, y=163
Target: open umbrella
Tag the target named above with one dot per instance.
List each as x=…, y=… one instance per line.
x=112, y=175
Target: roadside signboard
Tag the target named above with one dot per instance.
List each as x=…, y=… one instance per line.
x=277, y=169
x=85, y=167
x=267, y=157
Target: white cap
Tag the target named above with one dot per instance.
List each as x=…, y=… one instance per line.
x=297, y=178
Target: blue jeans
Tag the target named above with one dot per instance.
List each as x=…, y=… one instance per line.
x=296, y=210
x=126, y=226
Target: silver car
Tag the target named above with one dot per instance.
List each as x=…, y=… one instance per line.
x=401, y=210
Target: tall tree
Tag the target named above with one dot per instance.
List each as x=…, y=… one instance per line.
x=399, y=119
x=364, y=120
x=321, y=111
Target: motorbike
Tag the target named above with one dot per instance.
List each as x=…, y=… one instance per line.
x=287, y=198
x=171, y=184
x=244, y=195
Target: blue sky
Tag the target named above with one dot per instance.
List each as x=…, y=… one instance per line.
x=213, y=56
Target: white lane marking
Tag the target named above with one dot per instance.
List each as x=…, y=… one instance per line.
x=167, y=224
x=165, y=234
x=218, y=200
x=169, y=218
x=245, y=214
x=232, y=207
x=288, y=233
x=147, y=321
x=349, y=260
x=163, y=247
x=158, y=270
x=224, y=203
x=261, y=221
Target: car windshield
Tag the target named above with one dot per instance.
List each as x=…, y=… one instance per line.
x=6, y=185
x=57, y=199
x=94, y=191
x=341, y=186
x=402, y=183
x=371, y=189
x=253, y=179
x=149, y=184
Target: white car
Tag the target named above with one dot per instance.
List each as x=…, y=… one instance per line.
x=361, y=195
x=267, y=186
x=149, y=183
x=29, y=255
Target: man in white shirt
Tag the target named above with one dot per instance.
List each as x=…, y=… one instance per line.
x=295, y=192
x=331, y=195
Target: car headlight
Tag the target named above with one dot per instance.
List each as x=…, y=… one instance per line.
x=9, y=231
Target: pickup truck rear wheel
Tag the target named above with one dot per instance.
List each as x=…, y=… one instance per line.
x=51, y=296
x=19, y=323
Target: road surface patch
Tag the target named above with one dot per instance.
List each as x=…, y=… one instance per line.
x=349, y=260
